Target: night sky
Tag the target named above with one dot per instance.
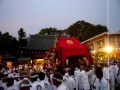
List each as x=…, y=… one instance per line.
x=33, y=15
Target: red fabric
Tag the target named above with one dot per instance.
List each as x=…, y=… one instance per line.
x=70, y=47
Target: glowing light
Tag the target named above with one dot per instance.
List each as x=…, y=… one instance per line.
x=31, y=61
x=9, y=64
x=94, y=51
x=108, y=49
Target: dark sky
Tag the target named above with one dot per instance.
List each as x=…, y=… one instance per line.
x=33, y=15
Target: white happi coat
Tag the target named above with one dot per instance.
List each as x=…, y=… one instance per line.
x=114, y=70
x=76, y=76
x=118, y=79
x=95, y=81
x=90, y=74
x=39, y=84
x=106, y=73
x=72, y=83
x=76, y=72
x=102, y=85
x=61, y=87
x=118, y=76
x=83, y=82
x=52, y=86
x=3, y=85
x=66, y=81
x=13, y=88
x=112, y=77
x=34, y=85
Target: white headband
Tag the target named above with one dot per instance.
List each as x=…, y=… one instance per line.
x=34, y=76
x=25, y=85
x=60, y=80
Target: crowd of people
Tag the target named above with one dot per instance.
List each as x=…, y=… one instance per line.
x=92, y=77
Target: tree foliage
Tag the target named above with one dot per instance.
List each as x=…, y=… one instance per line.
x=0, y=33
x=21, y=33
x=22, y=38
x=8, y=44
x=80, y=29
x=48, y=31
x=84, y=30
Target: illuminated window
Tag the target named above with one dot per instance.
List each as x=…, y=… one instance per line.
x=100, y=44
x=112, y=42
x=118, y=42
x=91, y=46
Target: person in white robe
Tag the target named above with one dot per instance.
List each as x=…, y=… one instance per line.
x=42, y=84
x=10, y=84
x=106, y=72
x=72, y=81
x=118, y=77
x=112, y=77
x=83, y=83
x=25, y=84
x=57, y=81
x=90, y=73
x=101, y=83
x=2, y=85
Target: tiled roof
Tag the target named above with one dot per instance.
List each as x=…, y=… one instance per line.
x=37, y=42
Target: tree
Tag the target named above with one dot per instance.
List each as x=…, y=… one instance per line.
x=8, y=44
x=84, y=30
x=22, y=38
x=21, y=33
x=78, y=29
x=48, y=31
x=60, y=31
x=0, y=33
x=14, y=46
x=5, y=40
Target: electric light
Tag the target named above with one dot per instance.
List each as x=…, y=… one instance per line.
x=94, y=51
x=108, y=49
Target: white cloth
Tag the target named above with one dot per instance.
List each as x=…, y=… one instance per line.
x=3, y=85
x=76, y=72
x=66, y=80
x=112, y=77
x=76, y=83
x=16, y=83
x=102, y=85
x=52, y=86
x=10, y=75
x=118, y=79
x=106, y=73
x=45, y=84
x=116, y=70
x=90, y=76
x=13, y=88
x=40, y=84
x=95, y=81
x=72, y=83
x=118, y=76
x=61, y=87
x=35, y=85
x=83, y=81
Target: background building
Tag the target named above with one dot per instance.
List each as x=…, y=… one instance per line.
x=104, y=44
x=36, y=48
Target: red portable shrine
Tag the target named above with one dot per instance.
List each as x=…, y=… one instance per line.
x=67, y=46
